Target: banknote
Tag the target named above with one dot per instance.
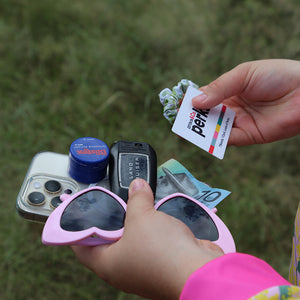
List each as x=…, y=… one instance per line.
x=173, y=177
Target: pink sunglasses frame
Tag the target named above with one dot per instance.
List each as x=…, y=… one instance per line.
x=225, y=240
x=53, y=234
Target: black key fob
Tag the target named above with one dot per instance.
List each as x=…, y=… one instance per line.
x=128, y=161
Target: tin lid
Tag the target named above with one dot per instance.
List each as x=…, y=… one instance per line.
x=88, y=159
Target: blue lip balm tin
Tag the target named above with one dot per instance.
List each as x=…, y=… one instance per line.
x=88, y=159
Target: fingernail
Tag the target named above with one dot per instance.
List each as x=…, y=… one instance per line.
x=200, y=98
x=136, y=185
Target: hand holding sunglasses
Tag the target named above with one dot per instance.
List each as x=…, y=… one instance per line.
x=95, y=216
x=156, y=254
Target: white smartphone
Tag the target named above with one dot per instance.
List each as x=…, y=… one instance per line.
x=47, y=178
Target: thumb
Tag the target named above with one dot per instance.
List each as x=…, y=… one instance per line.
x=230, y=84
x=140, y=198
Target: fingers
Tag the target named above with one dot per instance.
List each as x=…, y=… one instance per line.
x=90, y=256
x=239, y=137
x=140, y=198
x=229, y=84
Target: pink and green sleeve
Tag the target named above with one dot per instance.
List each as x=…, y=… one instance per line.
x=237, y=276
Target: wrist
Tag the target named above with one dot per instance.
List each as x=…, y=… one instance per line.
x=204, y=253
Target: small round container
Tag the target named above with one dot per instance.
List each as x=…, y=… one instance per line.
x=88, y=159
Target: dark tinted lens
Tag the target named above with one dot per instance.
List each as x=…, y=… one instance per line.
x=93, y=209
x=196, y=218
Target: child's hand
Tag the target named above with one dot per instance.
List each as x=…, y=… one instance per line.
x=156, y=254
x=265, y=96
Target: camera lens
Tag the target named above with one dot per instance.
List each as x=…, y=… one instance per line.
x=55, y=202
x=52, y=186
x=68, y=191
x=36, y=198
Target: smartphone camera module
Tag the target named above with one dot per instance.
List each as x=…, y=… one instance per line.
x=46, y=179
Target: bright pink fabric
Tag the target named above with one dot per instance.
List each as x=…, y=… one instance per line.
x=231, y=276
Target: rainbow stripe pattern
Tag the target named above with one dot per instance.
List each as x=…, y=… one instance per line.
x=215, y=136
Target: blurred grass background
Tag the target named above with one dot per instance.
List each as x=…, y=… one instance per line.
x=94, y=68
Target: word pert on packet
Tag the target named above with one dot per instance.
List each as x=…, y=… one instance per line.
x=208, y=129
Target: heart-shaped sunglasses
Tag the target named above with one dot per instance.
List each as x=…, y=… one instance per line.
x=95, y=216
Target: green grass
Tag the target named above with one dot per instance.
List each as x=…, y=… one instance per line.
x=74, y=68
